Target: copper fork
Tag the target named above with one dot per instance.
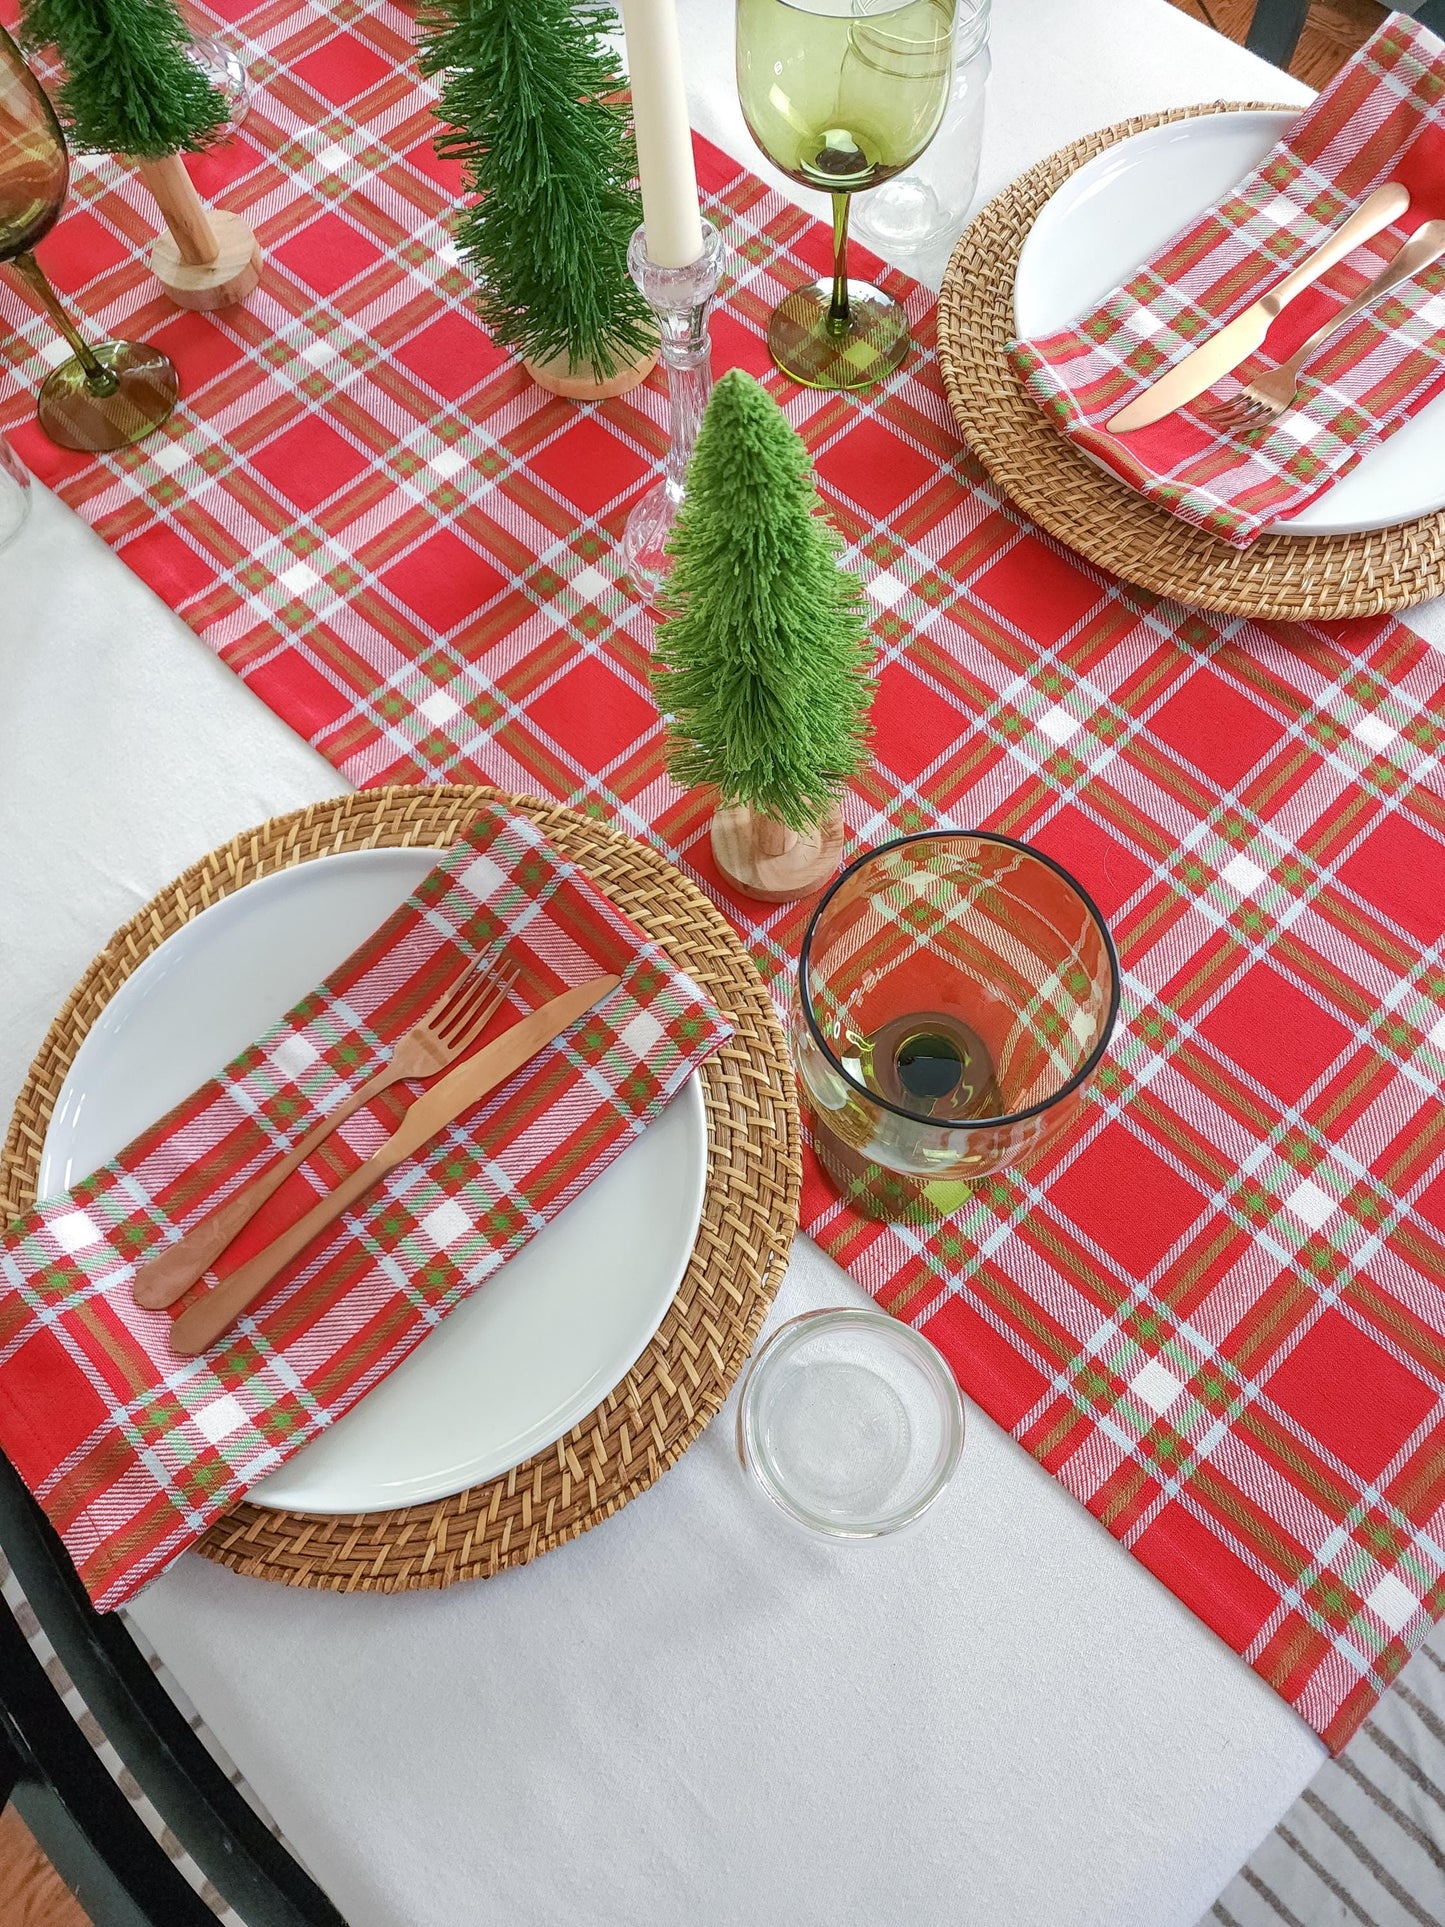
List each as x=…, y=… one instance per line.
x=1262, y=401
x=454, y=1022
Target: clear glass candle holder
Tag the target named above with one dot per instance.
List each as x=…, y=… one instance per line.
x=681, y=299
x=956, y=993
x=850, y=1422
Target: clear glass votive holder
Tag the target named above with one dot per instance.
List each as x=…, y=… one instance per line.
x=956, y=993
x=929, y=200
x=220, y=62
x=850, y=1422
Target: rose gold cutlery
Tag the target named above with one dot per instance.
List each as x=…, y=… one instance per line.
x=201, y=1324
x=1263, y=400
x=1244, y=336
x=452, y=1025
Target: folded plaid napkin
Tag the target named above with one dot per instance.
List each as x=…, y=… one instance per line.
x=132, y=1451
x=1380, y=120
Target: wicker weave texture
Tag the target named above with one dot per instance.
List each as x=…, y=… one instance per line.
x=749, y=1213
x=1279, y=577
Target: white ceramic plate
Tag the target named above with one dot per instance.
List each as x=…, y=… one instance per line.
x=1123, y=205
x=531, y=1352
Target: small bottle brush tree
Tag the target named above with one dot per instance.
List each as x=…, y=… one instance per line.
x=132, y=90
x=549, y=161
x=763, y=652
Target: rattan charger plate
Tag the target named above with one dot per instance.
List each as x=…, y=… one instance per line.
x=749, y=1214
x=1282, y=577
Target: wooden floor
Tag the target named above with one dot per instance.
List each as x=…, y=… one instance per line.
x=31, y=1892
x=1334, y=30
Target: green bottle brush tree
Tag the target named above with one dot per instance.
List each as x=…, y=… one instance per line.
x=131, y=89
x=763, y=653
x=528, y=105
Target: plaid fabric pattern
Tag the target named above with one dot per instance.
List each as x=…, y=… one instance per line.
x=134, y=1453
x=1379, y=120
x=1217, y=1312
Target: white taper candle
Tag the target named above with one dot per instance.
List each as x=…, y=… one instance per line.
x=664, y=139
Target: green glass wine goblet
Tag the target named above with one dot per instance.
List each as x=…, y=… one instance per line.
x=956, y=994
x=842, y=94
x=100, y=397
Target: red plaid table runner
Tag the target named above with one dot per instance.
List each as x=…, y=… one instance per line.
x=133, y=1452
x=1379, y=120
x=1216, y=1314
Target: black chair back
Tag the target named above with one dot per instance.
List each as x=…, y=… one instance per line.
x=92, y=1832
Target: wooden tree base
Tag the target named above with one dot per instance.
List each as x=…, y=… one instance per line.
x=765, y=860
x=561, y=376
x=216, y=284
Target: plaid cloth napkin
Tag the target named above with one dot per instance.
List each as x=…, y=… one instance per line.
x=134, y=1452
x=1380, y=120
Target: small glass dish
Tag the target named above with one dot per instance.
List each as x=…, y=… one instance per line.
x=850, y=1422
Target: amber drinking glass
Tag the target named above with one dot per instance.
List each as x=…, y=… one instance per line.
x=101, y=397
x=956, y=992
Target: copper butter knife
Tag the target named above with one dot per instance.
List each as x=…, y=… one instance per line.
x=1240, y=338
x=201, y=1324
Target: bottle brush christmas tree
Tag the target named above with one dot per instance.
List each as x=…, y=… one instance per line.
x=549, y=161
x=131, y=89
x=763, y=652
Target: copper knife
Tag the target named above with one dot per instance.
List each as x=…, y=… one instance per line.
x=1240, y=338
x=202, y=1323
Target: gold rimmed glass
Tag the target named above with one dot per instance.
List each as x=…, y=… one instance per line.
x=842, y=94
x=956, y=993
x=101, y=397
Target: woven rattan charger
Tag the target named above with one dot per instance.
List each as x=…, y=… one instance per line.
x=1283, y=577
x=749, y=1213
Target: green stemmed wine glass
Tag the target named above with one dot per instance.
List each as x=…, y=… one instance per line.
x=842, y=94
x=101, y=397
x=956, y=995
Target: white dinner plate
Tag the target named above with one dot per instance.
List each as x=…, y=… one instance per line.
x=529, y=1353
x=1118, y=209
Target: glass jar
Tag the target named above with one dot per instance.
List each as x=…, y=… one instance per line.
x=928, y=203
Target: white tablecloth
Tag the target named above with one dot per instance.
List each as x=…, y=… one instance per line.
x=694, y=1714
